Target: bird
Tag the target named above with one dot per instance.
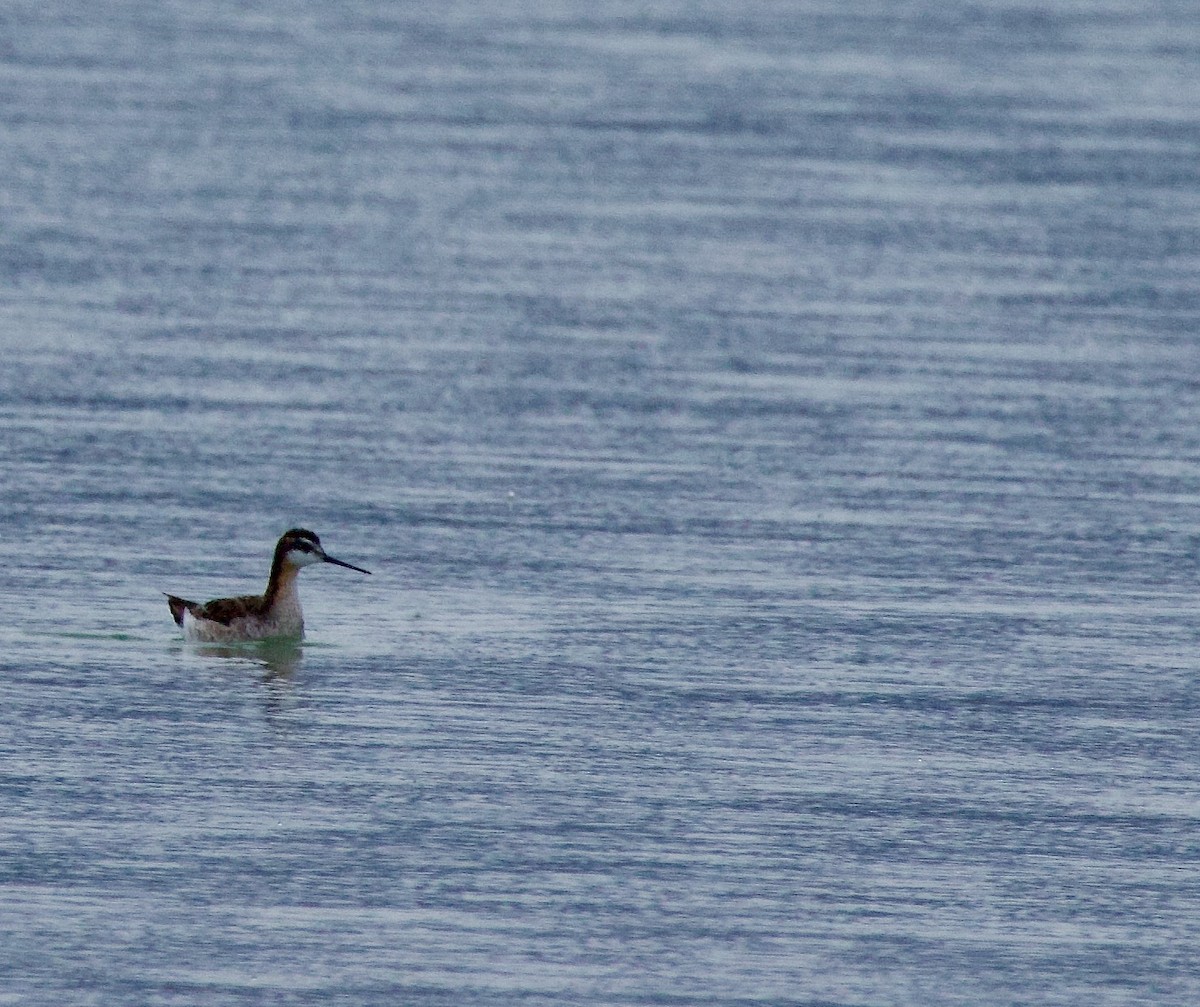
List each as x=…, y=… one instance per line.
x=273, y=614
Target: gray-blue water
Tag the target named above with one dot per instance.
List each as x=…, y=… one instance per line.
x=774, y=429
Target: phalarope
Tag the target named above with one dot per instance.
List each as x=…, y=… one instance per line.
x=276, y=613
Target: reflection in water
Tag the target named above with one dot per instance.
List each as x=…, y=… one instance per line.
x=277, y=658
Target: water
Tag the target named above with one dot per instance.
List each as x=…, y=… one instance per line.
x=775, y=434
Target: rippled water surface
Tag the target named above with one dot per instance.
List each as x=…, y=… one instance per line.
x=774, y=431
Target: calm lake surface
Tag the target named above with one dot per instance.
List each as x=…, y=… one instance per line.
x=774, y=431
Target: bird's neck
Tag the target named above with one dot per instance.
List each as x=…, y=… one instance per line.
x=281, y=587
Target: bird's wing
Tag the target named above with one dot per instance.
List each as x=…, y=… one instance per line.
x=225, y=610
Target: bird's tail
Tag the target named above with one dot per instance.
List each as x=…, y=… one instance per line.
x=178, y=606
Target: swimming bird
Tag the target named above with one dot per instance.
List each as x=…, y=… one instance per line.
x=276, y=613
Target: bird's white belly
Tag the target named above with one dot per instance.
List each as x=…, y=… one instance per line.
x=284, y=621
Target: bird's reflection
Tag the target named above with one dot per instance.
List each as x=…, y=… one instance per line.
x=278, y=660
